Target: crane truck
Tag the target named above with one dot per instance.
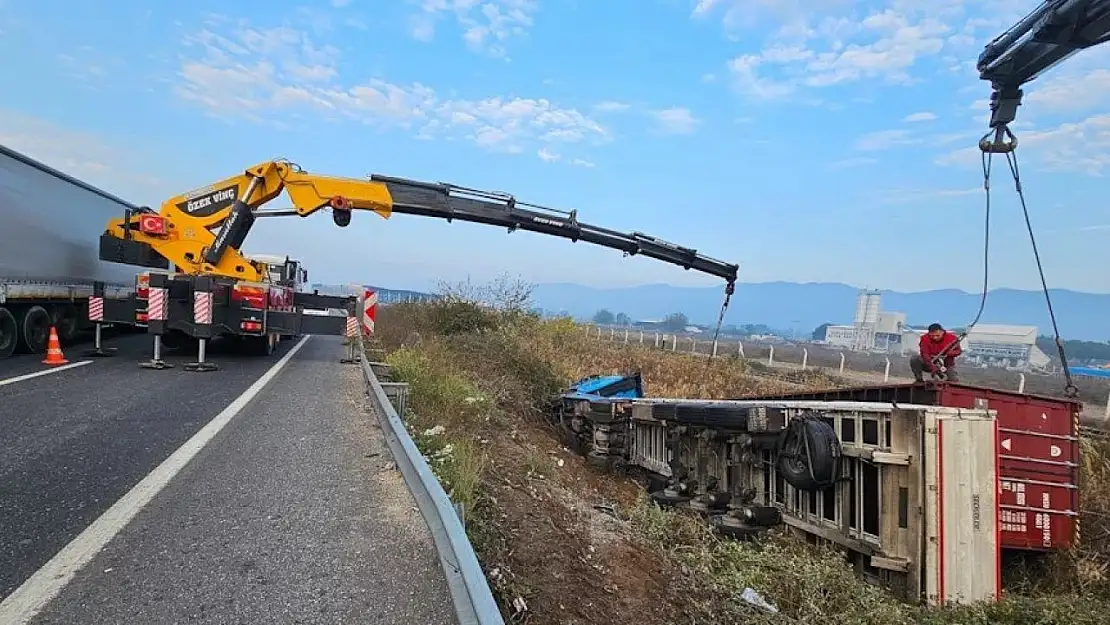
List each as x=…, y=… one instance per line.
x=217, y=290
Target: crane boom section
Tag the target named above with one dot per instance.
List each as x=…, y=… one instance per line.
x=202, y=231
x=1052, y=32
x=450, y=202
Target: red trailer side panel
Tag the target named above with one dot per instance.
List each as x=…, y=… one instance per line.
x=1039, y=463
x=1038, y=454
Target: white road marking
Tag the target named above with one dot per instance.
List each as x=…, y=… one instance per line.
x=21, y=378
x=45, y=584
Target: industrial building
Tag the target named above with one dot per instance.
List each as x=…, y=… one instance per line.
x=871, y=329
x=988, y=345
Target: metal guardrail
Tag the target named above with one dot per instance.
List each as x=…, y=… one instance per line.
x=470, y=592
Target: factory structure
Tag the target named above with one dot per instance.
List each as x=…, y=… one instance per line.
x=988, y=345
x=872, y=329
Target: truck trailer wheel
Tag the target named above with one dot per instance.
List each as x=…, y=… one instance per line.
x=35, y=330
x=67, y=322
x=9, y=333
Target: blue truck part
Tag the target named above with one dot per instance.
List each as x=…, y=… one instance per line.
x=618, y=386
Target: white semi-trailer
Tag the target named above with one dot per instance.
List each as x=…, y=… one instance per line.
x=50, y=227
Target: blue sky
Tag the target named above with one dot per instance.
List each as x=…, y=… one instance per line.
x=807, y=140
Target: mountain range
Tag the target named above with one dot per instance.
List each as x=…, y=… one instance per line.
x=804, y=306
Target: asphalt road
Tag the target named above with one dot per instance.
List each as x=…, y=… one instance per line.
x=291, y=513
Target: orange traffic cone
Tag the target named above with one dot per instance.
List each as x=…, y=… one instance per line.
x=54, y=354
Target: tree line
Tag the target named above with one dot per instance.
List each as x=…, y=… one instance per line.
x=1078, y=351
x=674, y=322
x=677, y=322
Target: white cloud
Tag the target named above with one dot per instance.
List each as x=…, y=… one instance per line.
x=311, y=73
x=789, y=15
x=923, y=116
x=274, y=75
x=904, y=196
x=676, y=120
x=885, y=139
x=611, y=106
x=895, y=137
x=487, y=25
x=422, y=27
x=83, y=155
x=1070, y=92
x=704, y=6
x=547, y=155
x=817, y=44
x=748, y=81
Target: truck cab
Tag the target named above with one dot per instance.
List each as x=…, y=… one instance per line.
x=282, y=270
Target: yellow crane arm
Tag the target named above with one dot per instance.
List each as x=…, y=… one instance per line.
x=201, y=232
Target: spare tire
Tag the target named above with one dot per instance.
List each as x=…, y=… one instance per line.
x=809, y=454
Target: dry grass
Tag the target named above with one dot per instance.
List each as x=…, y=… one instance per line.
x=582, y=547
x=666, y=374
x=1086, y=568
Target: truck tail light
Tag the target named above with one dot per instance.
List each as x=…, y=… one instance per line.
x=249, y=296
x=251, y=326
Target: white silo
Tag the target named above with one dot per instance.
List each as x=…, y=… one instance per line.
x=867, y=317
x=867, y=306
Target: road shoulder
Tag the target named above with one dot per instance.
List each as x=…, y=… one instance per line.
x=294, y=513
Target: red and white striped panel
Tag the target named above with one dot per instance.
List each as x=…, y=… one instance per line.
x=156, y=304
x=202, y=307
x=96, y=308
x=369, y=311
x=352, y=327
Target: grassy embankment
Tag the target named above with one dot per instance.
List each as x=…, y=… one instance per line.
x=579, y=546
